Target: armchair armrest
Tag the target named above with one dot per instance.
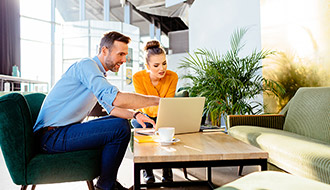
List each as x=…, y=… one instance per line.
x=268, y=121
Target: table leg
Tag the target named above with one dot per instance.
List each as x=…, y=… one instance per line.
x=263, y=165
x=137, y=177
x=209, y=174
x=240, y=170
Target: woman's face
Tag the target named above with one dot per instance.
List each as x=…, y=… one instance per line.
x=157, y=65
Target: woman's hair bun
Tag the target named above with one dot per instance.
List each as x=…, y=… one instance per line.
x=152, y=44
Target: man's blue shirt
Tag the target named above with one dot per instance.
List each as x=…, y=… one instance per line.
x=75, y=94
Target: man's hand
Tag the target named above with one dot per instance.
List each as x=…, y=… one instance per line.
x=130, y=114
x=141, y=118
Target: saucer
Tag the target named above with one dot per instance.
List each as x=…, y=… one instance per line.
x=173, y=141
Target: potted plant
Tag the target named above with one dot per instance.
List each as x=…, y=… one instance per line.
x=229, y=82
x=293, y=72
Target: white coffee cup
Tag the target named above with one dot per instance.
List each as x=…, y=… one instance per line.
x=166, y=134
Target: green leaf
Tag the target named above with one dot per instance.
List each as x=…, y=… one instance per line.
x=229, y=81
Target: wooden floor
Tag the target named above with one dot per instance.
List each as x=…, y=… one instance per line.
x=125, y=176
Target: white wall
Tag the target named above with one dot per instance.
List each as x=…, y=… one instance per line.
x=299, y=29
x=174, y=61
x=211, y=22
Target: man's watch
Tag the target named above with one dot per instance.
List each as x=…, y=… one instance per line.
x=135, y=114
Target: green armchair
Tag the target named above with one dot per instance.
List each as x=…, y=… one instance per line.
x=28, y=166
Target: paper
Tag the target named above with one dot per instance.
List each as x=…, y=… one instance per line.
x=144, y=139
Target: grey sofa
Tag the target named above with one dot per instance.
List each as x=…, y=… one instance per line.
x=297, y=140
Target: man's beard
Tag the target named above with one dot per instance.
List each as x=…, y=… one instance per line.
x=113, y=68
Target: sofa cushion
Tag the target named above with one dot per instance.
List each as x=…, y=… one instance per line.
x=308, y=113
x=273, y=181
x=291, y=152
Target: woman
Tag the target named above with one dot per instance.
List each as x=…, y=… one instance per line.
x=157, y=81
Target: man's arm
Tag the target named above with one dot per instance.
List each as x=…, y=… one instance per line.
x=128, y=114
x=134, y=101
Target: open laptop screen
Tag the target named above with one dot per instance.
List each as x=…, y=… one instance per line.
x=184, y=114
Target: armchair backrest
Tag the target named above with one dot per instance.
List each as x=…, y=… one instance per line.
x=309, y=113
x=16, y=135
x=34, y=102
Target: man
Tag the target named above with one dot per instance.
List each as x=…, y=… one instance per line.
x=59, y=125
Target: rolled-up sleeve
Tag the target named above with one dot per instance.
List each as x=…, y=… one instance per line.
x=107, y=97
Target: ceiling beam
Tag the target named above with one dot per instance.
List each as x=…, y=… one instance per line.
x=137, y=21
x=167, y=24
x=100, y=6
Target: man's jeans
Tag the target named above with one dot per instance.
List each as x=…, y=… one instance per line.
x=111, y=133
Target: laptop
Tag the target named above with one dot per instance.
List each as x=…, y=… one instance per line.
x=182, y=113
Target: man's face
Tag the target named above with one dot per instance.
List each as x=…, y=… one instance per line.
x=114, y=58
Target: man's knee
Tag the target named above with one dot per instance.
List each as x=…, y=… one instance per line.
x=125, y=127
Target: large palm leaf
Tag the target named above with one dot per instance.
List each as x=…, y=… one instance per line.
x=228, y=81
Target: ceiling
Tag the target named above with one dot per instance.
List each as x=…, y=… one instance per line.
x=169, y=19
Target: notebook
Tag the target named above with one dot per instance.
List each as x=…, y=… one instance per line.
x=182, y=113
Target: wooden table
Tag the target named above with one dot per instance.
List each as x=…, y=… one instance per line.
x=208, y=149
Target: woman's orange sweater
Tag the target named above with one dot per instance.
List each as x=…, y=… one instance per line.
x=166, y=87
